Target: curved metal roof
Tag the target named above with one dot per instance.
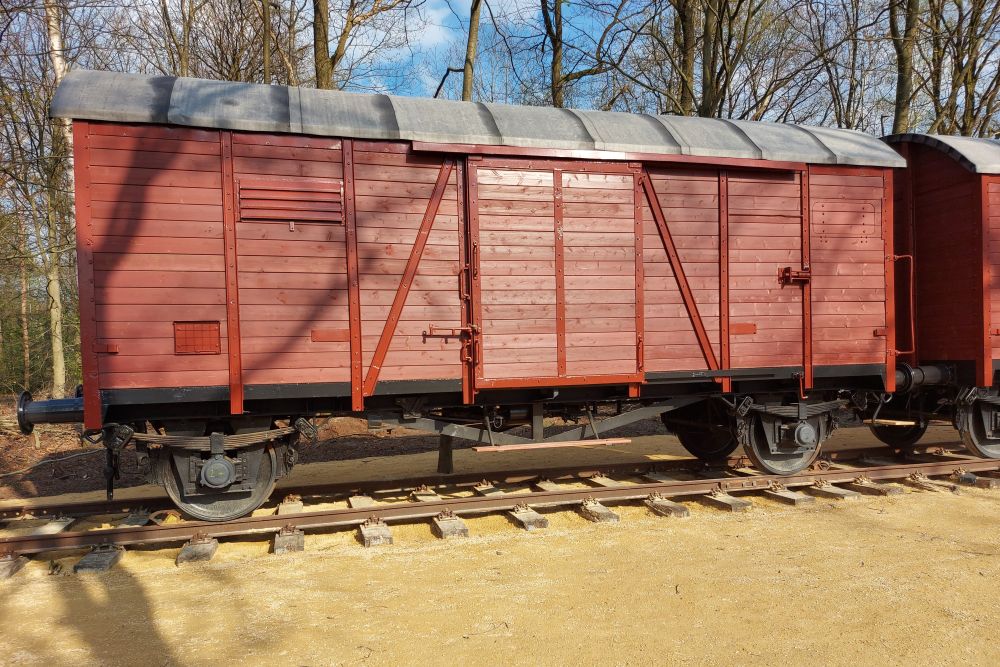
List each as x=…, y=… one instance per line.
x=977, y=154
x=244, y=106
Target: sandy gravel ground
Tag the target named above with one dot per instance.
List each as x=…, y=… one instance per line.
x=908, y=580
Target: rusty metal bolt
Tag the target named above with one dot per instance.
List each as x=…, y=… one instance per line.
x=200, y=537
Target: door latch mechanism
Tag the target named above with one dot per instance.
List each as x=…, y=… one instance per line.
x=790, y=276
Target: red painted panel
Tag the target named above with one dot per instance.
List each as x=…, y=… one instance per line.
x=557, y=253
x=846, y=225
x=946, y=229
x=754, y=261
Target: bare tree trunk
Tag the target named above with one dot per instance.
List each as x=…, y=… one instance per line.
x=54, y=289
x=554, y=31
x=53, y=279
x=709, y=55
x=266, y=19
x=468, y=74
x=688, y=43
x=903, y=38
x=321, y=44
x=25, y=332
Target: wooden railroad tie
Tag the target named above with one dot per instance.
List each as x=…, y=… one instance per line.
x=198, y=549
x=374, y=533
x=522, y=515
x=823, y=489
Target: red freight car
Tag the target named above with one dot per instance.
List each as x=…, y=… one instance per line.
x=948, y=221
x=253, y=254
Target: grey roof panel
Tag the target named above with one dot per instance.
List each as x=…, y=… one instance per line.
x=856, y=148
x=977, y=154
x=785, y=142
x=540, y=127
x=232, y=106
x=121, y=98
x=337, y=114
x=710, y=137
x=132, y=98
x=627, y=132
x=425, y=119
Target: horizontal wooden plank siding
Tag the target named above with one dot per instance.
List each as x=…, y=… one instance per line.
x=393, y=189
x=991, y=187
x=846, y=226
x=690, y=202
x=599, y=215
x=281, y=306
x=568, y=281
x=157, y=225
x=765, y=235
x=508, y=299
x=948, y=235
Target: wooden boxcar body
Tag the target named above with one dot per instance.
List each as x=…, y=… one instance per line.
x=252, y=250
x=948, y=221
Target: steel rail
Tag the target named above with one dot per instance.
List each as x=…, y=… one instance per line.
x=412, y=511
x=153, y=503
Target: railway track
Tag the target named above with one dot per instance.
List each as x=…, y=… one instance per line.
x=371, y=508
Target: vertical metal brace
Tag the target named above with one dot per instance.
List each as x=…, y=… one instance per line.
x=93, y=416
x=890, y=282
x=229, y=216
x=640, y=301
x=353, y=277
x=807, y=342
x=560, y=270
x=724, y=340
x=465, y=287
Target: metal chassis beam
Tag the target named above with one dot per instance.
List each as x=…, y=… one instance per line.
x=480, y=434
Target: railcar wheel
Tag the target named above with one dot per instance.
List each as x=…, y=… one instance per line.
x=709, y=443
x=979, y=425
x=789, y=458
x=702, y=432
x=900, y=437
x=219, y=506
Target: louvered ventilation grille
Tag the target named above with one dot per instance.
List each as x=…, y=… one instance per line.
x=292, y=199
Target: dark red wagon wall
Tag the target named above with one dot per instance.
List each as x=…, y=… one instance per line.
x=226, y=259
x=943, y=220
x=222, y=259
